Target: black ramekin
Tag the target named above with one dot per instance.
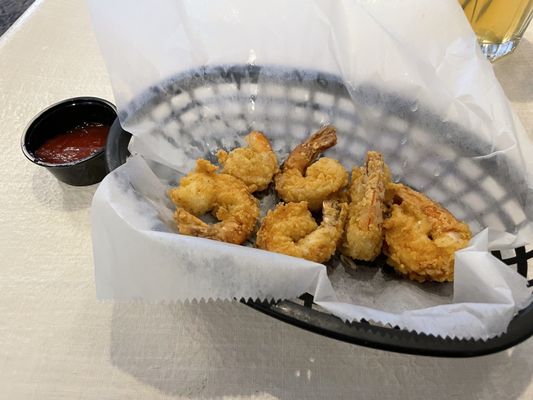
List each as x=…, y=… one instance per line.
x=60, y=118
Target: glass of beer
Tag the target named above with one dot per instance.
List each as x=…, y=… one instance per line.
x=498, y=24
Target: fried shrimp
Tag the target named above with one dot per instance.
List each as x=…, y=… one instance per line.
x=363, y=237
x=255, y=165
x=225, y=196
x=302, y=179
x=290, y=229
x=421, y=236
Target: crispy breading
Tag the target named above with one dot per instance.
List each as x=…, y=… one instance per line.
x=290, y=229
x=255, y=165
x=225, y=196
x=421, y=236
x=302, y=179
x=363, y=236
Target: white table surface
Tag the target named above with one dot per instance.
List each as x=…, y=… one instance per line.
x=58, y=342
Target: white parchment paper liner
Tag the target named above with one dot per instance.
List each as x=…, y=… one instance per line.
x=137, y=254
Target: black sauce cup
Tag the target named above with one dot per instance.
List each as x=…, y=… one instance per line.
x=60, y=118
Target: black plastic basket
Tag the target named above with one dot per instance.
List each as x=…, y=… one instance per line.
x=183, y=99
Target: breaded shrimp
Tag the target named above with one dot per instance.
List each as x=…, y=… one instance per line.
x=290, y=229
x=225, y=196
x=255, y=165
x=302, y=180
x=363, y=237
x=421, y=236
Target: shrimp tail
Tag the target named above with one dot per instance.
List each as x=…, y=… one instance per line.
x=307, y=152
x=188, y=224
x=227, y=231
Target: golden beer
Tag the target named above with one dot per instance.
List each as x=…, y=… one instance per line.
x=498, y=24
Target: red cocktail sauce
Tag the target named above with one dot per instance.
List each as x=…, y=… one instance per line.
x=75, y=144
